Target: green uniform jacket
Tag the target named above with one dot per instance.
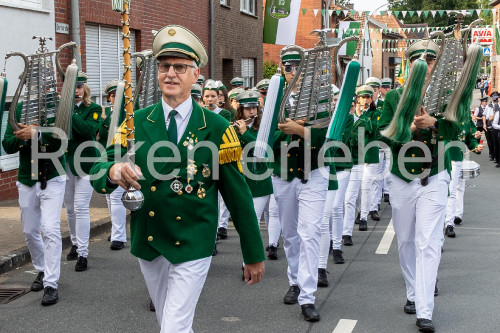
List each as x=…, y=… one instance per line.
x=182, y=226
x=226, y=115
x=85, y=123
x=380, y=104
x=371, y=135
x=446, y=131
x=11, y=145
x=339, y=153
x=295, y=156
x=259, y=188
x=466, y=136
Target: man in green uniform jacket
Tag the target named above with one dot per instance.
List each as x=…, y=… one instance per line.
x=173, y=233
x=418, y=191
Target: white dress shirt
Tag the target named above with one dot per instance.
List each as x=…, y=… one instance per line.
x=184, y=111
x=495, y=121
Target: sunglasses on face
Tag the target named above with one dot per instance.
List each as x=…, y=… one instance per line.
x=290, y=69
x=164, y=67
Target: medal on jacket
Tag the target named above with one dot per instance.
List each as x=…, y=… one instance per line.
x=176, y=185
x=206, y=171
x=201, y=191
x=433, y=140
x=191, y=171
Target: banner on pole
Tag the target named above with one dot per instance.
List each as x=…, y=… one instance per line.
x=280, y=21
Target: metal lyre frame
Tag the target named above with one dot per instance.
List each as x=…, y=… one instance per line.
x=146, y=92
x=314, y=90
x=41, y=100
x=446, y=71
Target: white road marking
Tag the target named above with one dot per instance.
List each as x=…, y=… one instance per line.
x=385, y=243
x=345, y=326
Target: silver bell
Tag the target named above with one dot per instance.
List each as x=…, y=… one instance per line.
x=132, y=199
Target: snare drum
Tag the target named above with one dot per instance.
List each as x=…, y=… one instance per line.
x=470, y=169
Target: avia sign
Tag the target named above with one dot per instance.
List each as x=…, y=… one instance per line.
x=483, y=36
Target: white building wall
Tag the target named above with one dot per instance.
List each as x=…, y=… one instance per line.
x=20, y=20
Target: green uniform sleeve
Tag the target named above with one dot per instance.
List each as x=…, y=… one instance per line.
x=101, y=184
x=470, y=139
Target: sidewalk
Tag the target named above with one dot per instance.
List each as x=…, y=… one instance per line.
x=13, y=250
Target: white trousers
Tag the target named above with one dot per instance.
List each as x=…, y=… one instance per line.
x=455, y=206
x=418, y=214
x=77, y=202
x=324, y=244
x=41, y=220
x=369, y=189
x=387, y=167
x=379, y=181
x=351, y=196
x=223, y=213
x=174, y=290
x=301, y=209
x=118, y=215
x=267, y=205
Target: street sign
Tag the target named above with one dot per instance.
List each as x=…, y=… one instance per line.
x=483, y=36
x=486, y=51
x=62, y=28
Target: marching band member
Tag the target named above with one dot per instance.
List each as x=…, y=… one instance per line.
x=196, y=93
x=262, y=86
x=116, y=209
x=385, y=159
x=224, y=99
x=237, y=82
x=85, y=121
x=40, y=200
x=175, y=255
x=247, y=124
x=300, y=199
x=364, y=105
x=418, y=200
x=211, y=99
x=455, y=206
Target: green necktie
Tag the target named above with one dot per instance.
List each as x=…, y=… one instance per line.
x=172, y=127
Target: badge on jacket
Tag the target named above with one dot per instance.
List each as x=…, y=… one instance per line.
x=95, y=116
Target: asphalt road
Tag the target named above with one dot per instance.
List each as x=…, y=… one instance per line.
x=368, y=290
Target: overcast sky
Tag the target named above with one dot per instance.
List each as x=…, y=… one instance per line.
x=369, y=4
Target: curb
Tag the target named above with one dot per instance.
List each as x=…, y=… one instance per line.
x=20, y=257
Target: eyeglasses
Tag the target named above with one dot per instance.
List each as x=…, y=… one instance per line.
x=263, y=92
x=290, y=69
x=178, y=68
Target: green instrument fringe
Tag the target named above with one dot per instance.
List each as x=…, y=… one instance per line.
x=343, y=107
x=458, y=110
x=409, y=104
x=67, y=101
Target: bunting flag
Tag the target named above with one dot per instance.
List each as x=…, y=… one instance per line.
x=280, y=22
x=348, y=29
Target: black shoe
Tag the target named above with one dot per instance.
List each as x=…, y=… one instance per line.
x=72, y=255
x=273, y=253
x=425, y=325
x=409, y=307
x=356, y=221
x=222, y=233
x=363, y=225
x=374, y=216
x=322, y=279
x=457, y=220
x=151, y=305
x=386, y=197
x=81, y=264
x=309, y=312
x=109, y=238
x=337, y=257
x=37, y=285
x=215, y=250
x=347, y=240
x=117, y=245
x=436, y=291
x=449, y=231
x=292, y=295
x=50, y=296
x=267, y=248
x=330, y=251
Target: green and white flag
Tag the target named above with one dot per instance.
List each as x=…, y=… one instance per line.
x=348, y=29
x=280, y=21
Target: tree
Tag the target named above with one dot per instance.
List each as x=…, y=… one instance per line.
x=270, y=68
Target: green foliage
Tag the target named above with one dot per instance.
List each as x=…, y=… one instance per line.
x=438, y=20
x=270, y=68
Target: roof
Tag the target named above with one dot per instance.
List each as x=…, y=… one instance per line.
x=494, y=3
x=381, y=25
x=420, y=34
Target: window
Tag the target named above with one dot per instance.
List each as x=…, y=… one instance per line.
x=27, y=4
x=247, y=6
x=104, y=49
x=248, y=71
x=224, y=2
